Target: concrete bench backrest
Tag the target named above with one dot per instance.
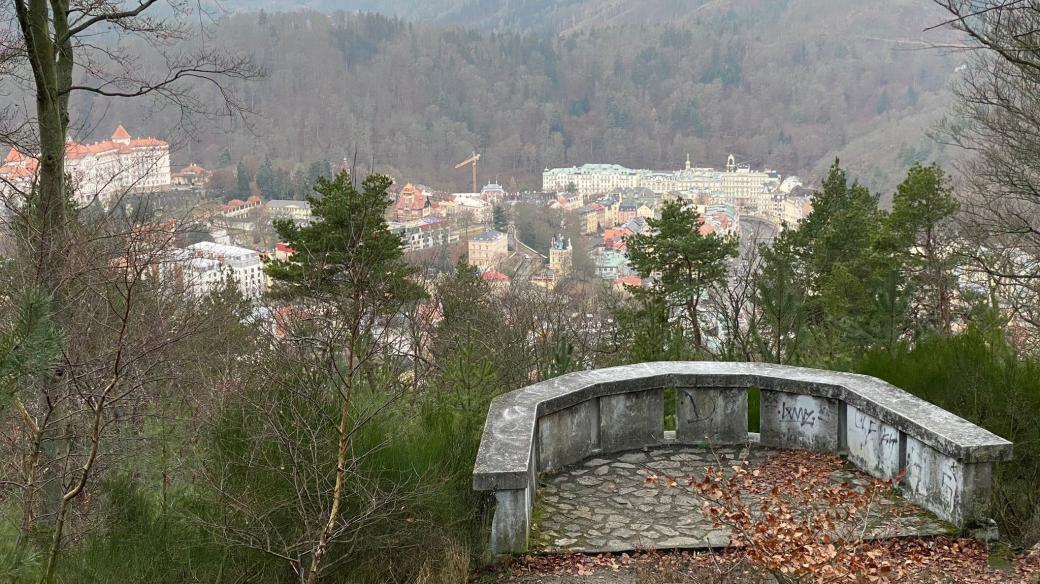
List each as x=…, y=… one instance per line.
x=884, y=430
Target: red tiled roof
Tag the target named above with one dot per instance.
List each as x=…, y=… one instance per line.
x=411, y=199
x=75, y=150
x=191, y=169
x=17, y=165
x=628, y=281
x=494, y=276
x=18, y=171
x=146, y=142
x=14, y=156
x=120, y=133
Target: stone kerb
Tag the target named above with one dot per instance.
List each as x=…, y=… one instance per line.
x=884, y=430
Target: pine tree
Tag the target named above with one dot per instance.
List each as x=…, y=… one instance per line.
x=242, y=174
x=835, y=279
x=680, y=262
x=500, y=221
x=836, y=244
x=29, y=348
x=921, y=225
x=347, y=269
x=781, y=329
x=265, y=178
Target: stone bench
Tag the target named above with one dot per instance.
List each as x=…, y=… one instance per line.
x=948, y=461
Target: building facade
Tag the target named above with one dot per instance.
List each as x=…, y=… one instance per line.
x=238, y=207
x=588, y=219
x=424, y=233
x=591, y=179
x=488, y=250
x=298, y=211
x=739, y=185
x=412, y=204
x=209, y=263
x=493, y=193
x=611, y=264
x=466, y=208
x=101, y=170
x=561, y=255
x=192, y=175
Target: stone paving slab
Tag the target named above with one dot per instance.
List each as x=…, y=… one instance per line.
x=604, y=504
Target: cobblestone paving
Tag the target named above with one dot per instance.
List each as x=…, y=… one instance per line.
x=605, y=505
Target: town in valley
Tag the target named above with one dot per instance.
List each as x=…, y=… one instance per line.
x=595, y=207
x=519, y=291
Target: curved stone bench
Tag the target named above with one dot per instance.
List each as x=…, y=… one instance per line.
x=948, y=461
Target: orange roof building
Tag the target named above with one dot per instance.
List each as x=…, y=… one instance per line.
x=191, y=175
x=412, y=204
x=615, y=235
x=494, y=276
x=102, y=169
x=236, y=207
x=625, y=284
x=121, y=135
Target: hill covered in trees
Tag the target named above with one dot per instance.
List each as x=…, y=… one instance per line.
x=566, y=16
x=789, y=84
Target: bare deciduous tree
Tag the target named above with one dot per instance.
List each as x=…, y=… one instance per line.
x=121, y=319
x=734, y=307
x=58, y=48
x=997, y=119
x=123, y=327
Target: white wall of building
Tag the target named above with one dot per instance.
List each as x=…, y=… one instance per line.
x=749, y=190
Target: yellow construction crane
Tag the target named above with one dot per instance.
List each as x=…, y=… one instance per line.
x=473, y=158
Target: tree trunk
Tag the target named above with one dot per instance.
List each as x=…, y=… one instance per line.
x=692, y=313
x=52, y=72
x=944, y=306
x=32, y=469
x=324, y=539
x=337, y=493
x=67, y=498
x=44, y=27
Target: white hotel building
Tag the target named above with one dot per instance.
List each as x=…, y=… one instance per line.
x=203, y=267
x=739, y=185
x=100, y=170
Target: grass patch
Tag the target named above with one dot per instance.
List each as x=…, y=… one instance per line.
x=671, y=401
x=754, y=397
x=1000, y=556
x=537, y=515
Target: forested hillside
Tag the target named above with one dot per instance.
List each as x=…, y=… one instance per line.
x=177, y=411
x=564, y=16
x=790, y=85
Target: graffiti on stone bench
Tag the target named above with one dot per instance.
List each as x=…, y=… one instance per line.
x=801, y=415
